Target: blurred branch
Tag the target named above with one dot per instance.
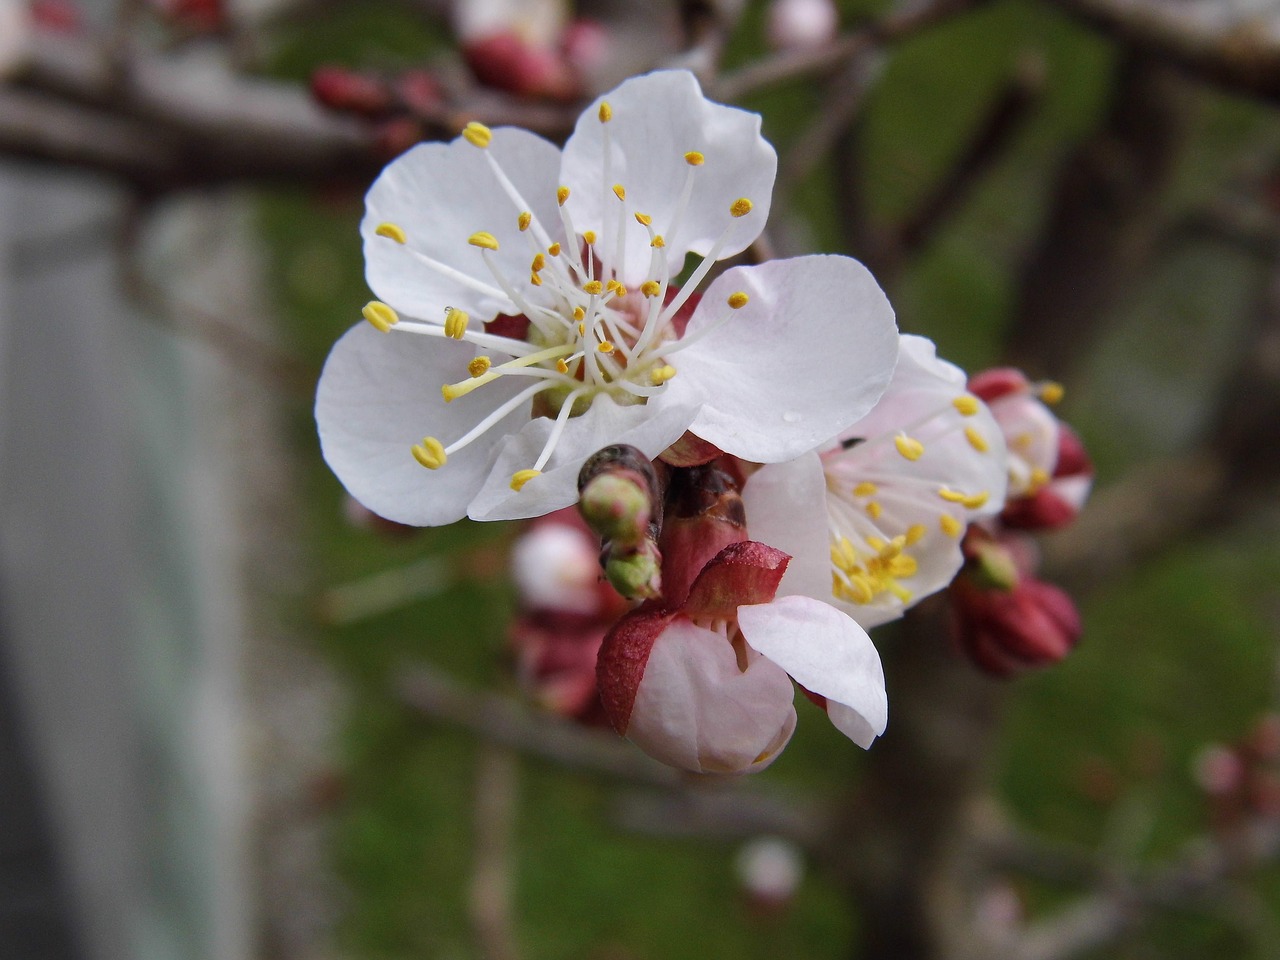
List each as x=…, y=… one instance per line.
x=497, y=779
x=1233, y=44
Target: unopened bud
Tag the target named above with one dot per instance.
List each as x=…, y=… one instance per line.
x=617, y=507
x=342, y=89
x=635, y=571
x=801, y=24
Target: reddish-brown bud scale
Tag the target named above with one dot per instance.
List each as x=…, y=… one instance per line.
x=998, y=382
x=623, y=657
x=742, y=573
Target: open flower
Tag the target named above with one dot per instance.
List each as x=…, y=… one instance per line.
x=898, y=488
x=548, y=324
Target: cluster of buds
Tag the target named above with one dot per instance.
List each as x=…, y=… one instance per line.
x=393, y=103
x=1004, y=617
x=1241, y=780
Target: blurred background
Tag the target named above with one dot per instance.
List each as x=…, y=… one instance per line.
x=242, y=718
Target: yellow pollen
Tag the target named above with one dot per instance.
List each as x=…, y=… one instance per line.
x=908, y=447
x=561, y=366
x=660, y=375
x=590, y=237
x=1039, y=478
x=455, y=323
x=535, y=279
x=1051, y=392
x=643, y=219
x=477, y=134
x=524, y=220
x=430, y=453
x=605, y=347
x=971, y=500
x=874, y=510
x=740, y=207
x=657, y=241
x=950, y=525
x=485, y=241
x=976, y=440
x=579, y=314
x=539, y=261
x=620, y=191
x=562, y=195
x=616, y=288
x=694, y=159
x=582, y=329
x=605, y=114
x=380, y=315
x=521, y=477
x=391, y=231
x=651, y=288
x=737, y=300
x=915, y=533
x=966, y=404
x=592, y=287
x=865, y=489
x=479, y=366
x=1023, y=440
x=554, y=249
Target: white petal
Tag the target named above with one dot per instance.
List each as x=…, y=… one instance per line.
x=1031, y=432
x=808, y=355
x=378, y=395
x=786, y=508
x=647, y=428
x=657, y=119
x=695, y=709
x=440, y=194
x=825, y=652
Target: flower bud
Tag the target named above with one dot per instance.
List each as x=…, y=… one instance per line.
x=770, y=870
x=555, y=568
x=1004, y=632
x=616, y=506
x=505, y=61
x=341, y=89
x=801, y=24
x=634, y=571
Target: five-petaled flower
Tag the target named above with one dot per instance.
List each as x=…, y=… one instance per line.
x=539, y=289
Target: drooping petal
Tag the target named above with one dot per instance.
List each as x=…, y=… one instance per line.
x=605, y=423
x=786, y=508
x=827, y=653
x=379, y=394
x=439, y=195
x=809, y=354
x=697, y=709
x=656, y=120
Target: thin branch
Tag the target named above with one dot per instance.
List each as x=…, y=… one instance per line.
x=497, y=781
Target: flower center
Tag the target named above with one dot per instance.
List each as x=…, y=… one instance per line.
x=588, y=332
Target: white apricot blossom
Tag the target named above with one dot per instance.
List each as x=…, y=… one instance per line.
x=538, y=289
x=899, y=488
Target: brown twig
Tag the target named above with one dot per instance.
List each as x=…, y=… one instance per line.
x=490, y=908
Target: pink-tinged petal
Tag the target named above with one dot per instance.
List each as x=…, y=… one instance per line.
x=807, y=356
x=744, y=572
x=827, y=653
x=698, y=709
x=786, y=509
x=657, y=119
x=379, y=394
x=440, y=194
x=604, y=423
x=1031, y=434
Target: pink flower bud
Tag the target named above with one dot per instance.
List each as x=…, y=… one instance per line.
x=990, y=385
x=800, y=24
x=1004, y=632
x=555, y=568
x=1219, y=771
x=342, y=89
x=770, y=870
x=505, y=61
x=57, y=16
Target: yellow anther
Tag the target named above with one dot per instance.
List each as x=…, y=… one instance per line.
x=477, y=134
x=561, y=366
x=1039, y=477
x=592, y=287
x=737, y=300
x=554, y=249
x=657, y=241
x=651, y=288
x=909, y=447
x=605, y=347
x=915, y=533
x=562, y=194
x=893, y=547
x=606, y=112
x=865, y=489
x=1051, y=392
x=589, y=237
x=843, y=555
x=1023, y=440
x=976, y=440
x=524, y=220
x=694, y=159
x=391, y=231
x=876, y=544
x=971, y=500
x=455, y=323
x=903, y=566
x=535, y=279
x=616, y=288
x=486, y=241
x=967, y=405
x=380, y=315
x=643, y=219
x=582, y=329
x=740, y=207
x=858, y=589
x=479, y=366
x=430, y=453
x=660, y=375
x=539, y=262
x=579, y=314
x=620, y=191
x=874, y=510
x=521, y=477
x=950, y=525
